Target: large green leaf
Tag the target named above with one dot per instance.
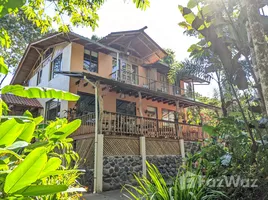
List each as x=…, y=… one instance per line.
x=38, y=190
x=18, y=144
x=38, y=92
x=27, y=132
x=3, y=66
x=7, y=6
x=209, y=130
x=27, y=172
x=66, y=129
x=37, y=145
x=38, y=120
x=52, y=165
x=9, y=131
x=192, y=3
x=6, y=151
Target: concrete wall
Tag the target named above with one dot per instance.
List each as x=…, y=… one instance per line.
x=59, y=81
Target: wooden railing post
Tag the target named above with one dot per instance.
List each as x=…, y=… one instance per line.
x=176, y=118
x=110, y=123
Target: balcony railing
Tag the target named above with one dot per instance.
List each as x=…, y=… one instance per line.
x=151, y=84
x=128, y=125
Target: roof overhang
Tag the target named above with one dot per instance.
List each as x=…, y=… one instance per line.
x=159, y=66
x=133, y=90
x=11, y=99
x=135, y=43
x=35, y=49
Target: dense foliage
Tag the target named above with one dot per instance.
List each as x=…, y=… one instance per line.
x=189, y=184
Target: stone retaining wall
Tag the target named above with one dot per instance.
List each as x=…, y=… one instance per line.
x=191, y=147
x=119, y=170
x=168, y=165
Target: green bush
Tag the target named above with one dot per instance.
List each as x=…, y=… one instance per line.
x=47, y=166
x=187, y=185
x=37, y=161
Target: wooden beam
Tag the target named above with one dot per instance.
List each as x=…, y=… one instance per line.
x=116, y=39
x=160, y=99
x=143, y=96
x=166, y=101
x=171, y=103
x=149, y=97
x=104, y=88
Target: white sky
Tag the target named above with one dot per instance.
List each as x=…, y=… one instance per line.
x=161, y=18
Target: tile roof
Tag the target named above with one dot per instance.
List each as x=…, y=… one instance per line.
x=11, y=99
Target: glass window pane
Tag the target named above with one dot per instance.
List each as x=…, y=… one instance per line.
x=56, y=65
x=90, y=61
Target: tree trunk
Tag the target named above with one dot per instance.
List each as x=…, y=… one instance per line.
x=223, y=103
x=259, y=45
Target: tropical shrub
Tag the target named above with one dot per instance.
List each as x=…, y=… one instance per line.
x=230, y=153
x=189, y=184
x=37, y=160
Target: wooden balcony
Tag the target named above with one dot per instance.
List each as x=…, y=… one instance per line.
x=127, y=125
x=151, y=84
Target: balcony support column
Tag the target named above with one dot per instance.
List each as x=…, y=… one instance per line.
x=143, y=154
x=182, y=149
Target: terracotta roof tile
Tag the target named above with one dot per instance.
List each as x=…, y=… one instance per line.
x=11, y=99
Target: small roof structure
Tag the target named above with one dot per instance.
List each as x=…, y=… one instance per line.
x=160, y=66
x=34, y=49
x=11, y=99
x=135, y=43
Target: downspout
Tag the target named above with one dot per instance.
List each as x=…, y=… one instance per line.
x=96, y=133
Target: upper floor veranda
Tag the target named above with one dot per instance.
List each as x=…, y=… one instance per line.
x=129, y=57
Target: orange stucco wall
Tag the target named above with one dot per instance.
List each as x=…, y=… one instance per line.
x=109, y=98
x=105, y=65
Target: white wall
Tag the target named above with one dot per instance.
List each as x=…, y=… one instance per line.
x=59, y=81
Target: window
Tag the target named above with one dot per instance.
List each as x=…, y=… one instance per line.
x=90, y=61
x=163, y=80
x=135, y=78
x=125, y=107
x=115, y=68
x=52, y=109
x=56, y=66
x=39, y=77
x=129, y=73
x=151, y=112
x=85, y=104
x=168, y=115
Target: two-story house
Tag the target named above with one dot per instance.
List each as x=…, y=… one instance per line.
x=137, y=97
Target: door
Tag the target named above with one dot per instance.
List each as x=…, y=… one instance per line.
x=129, y=73
x=126, y=72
